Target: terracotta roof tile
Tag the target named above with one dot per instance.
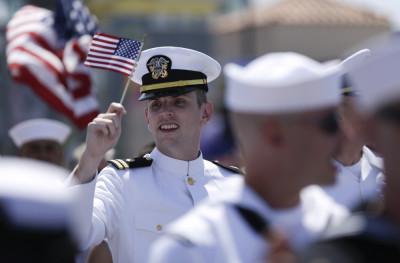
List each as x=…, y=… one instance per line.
x=301, y=12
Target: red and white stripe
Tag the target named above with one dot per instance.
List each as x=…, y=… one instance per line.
x=101, y=55
x=57, y=75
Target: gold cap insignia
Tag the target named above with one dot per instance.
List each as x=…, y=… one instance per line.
x=159, y=66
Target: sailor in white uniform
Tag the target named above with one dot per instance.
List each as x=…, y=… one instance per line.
x=132, y=200
x=283, y=112
x=41, y=139
x=360, y=171
x=37, y=223
x=373, y=237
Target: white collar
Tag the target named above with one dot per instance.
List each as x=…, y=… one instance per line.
x=175, y=167
x=373, y=158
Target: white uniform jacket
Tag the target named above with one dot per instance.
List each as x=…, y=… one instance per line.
x=356, y=186
x=215, y=232
x=130, y=207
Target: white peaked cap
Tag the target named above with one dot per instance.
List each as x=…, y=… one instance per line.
x=182, y=58
x=356, y=59
x=33, y=194
x=282, y=82
x=350, y=63
x=378, y=80
x=39, y=129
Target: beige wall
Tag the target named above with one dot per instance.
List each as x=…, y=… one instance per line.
x=319, y=42
x=227, y=47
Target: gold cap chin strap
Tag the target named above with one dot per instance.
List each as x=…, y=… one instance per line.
x=347, y=90
x=172, y=84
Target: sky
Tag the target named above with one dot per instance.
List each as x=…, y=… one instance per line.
x=391, y=8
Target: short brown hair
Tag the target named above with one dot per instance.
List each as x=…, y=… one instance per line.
x=201, y=96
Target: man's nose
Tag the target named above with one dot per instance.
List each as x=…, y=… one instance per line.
x=167, y=112
x=167, y=108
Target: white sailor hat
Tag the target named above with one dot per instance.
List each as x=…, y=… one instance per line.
x=282, y=82
x=169, y=71
x=378, y=80
x=351, y=62
x=33, y=195
x=39, y=218
x=39, y=129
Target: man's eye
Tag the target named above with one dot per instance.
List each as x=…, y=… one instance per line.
x=180, y=103
x=155, y=106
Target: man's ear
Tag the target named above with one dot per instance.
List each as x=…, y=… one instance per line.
x=146, y=113
x=207, y=112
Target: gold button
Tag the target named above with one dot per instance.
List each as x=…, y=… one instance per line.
x=191, y=181
x=159, y=227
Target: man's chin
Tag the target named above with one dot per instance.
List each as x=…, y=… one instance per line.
x=329, y=177
x=166, y=135
x=328, y=182
x=167, y=139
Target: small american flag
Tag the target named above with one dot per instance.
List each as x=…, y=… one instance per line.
x=114, y=53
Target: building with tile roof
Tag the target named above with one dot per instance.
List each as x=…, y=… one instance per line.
x=322, y=29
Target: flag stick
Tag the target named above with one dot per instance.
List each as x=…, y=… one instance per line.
x=125, y=90
x=128, y=79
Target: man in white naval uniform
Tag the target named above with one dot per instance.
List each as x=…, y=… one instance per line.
x=283, y=114
x=360, y=170
x=371, y=237
x=131, y=201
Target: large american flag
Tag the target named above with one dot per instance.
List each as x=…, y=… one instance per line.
x=73, y=19
x=56, y=73
x=114, y=53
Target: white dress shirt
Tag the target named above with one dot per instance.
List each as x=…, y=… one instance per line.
x=358, y=183
x=215, y=232
x=131, y=207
